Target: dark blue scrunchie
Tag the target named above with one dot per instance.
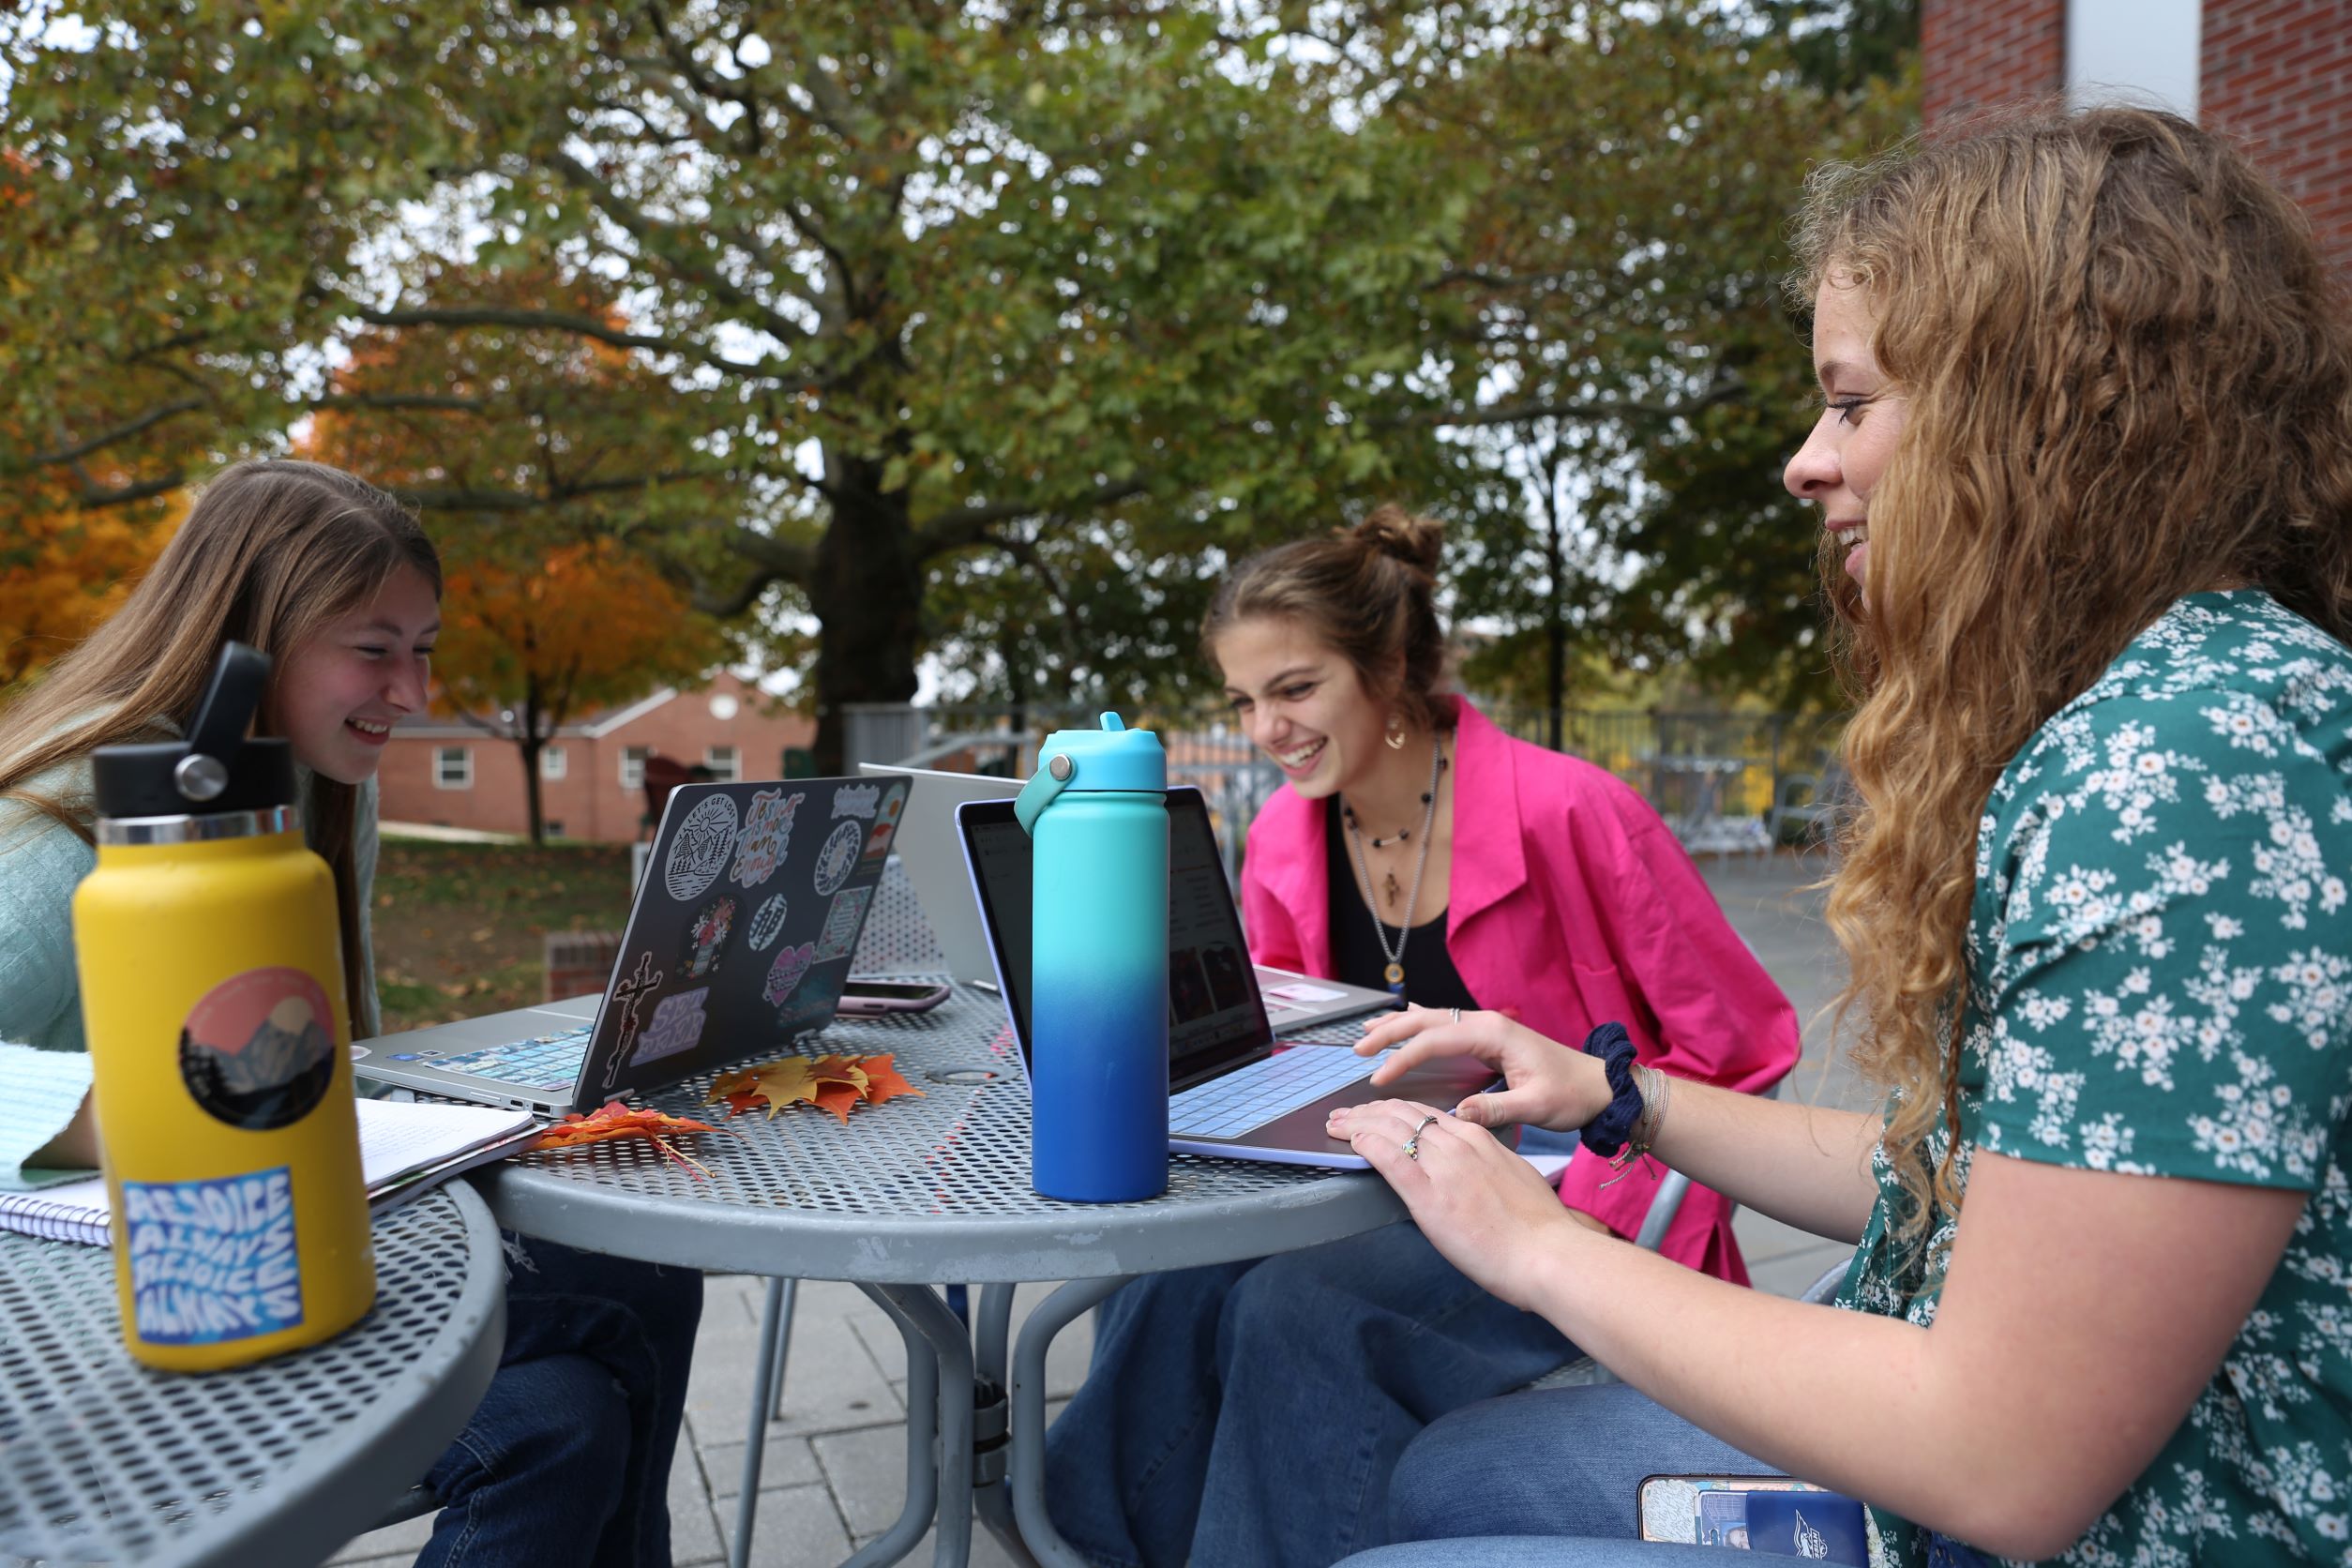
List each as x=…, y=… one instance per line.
x=1606, y=1133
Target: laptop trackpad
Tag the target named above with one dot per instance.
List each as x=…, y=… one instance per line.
x=1440, y=1085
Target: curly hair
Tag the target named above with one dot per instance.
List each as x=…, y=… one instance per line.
x=2128, y=377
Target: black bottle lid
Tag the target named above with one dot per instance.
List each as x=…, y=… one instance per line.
x=217, y=769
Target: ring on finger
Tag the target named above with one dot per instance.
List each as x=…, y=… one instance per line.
x=1458, y=1013
x=1412, y=1144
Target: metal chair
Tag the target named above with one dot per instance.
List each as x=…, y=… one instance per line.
x=1811, y=804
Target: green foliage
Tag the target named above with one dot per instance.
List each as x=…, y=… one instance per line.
x=988, y=331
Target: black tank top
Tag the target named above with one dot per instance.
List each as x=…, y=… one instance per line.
x=1430, y=977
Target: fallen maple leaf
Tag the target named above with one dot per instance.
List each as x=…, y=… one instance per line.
x=834, y=1083
x=840, y=1069
x=776, y=1086
x=883, y=1082
x=617, y=1121
x=837, y=1098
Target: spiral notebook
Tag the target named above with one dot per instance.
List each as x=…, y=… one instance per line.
x=405, y=1148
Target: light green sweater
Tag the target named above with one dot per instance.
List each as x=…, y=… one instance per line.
x=44, y=1063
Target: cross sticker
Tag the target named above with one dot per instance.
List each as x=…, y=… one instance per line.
x=626, y=995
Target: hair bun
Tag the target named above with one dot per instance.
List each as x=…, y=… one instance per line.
x=1414, y=539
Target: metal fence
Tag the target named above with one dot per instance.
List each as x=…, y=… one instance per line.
x=1725, y=781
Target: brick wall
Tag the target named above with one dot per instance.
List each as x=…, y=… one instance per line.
x=1977, y=53
x=588, y=802
x=2278, y=73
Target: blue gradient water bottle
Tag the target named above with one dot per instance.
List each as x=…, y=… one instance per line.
x=1097, y=814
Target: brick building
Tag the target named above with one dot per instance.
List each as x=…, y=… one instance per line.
x=592, y=776
x=2276, y=73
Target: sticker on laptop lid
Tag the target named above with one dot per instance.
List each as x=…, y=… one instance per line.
x=629, y=995
x=784, y=975
x=885, y=825
x=767, y=836
x=676, y=1025
x=819, y=997
x=856, y=800
x=700, y=852
x=839, y=857
x=767, y=923
x=842, y=924
x=707, y=937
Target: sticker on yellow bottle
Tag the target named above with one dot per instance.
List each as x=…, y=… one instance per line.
x=213, y=1261
x=258, y=1051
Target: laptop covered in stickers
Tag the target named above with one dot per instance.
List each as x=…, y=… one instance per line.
x=739, y=942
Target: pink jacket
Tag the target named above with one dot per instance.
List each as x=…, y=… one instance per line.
x=1570, y=905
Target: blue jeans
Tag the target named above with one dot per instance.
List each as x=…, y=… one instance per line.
x=1551, y=1479
x=1249, y=1413
x=567, y=1456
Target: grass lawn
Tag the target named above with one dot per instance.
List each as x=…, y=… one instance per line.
x=458, y=926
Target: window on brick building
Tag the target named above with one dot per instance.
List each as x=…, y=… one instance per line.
x=552, y=763
x=453, y=767
x=555, y=827
x=633, y=766
x=725, y=762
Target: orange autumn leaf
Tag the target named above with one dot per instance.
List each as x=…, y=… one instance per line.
x=774, y=1086
x=617, y=1121
x=840, y=1069
x=883, y=1082
x=835, y=1084
x=837, y=1098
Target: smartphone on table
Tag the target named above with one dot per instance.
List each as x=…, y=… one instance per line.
x=866, y=995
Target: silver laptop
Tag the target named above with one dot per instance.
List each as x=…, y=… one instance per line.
x=935, y=865
x=738, y=942
x=1233, y=1088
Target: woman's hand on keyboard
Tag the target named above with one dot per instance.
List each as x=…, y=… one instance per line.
x=1545, y=1083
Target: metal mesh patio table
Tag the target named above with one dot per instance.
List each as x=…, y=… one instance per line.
x=916, y=1193
x=102, y=1459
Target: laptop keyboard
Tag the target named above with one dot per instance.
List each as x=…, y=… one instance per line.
x=543, y=1062
x=1252, y=1095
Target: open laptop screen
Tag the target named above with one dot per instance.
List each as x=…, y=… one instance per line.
x=1215, y=1014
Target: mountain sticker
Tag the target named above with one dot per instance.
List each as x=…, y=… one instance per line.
x=258, y=1051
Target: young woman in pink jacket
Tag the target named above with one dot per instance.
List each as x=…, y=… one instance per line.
x=1250, y=1413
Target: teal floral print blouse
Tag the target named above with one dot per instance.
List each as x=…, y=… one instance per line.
x=2160, y=983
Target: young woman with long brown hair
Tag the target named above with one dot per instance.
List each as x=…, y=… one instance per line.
x=1412, y=844
x=336, y=581
x=2085, y=467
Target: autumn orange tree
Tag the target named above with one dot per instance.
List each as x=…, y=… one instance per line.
x=549, y=614
x=65, y=566
x=61, y=571
x=532, y=638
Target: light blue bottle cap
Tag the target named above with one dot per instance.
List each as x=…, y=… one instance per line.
x=1113, y=758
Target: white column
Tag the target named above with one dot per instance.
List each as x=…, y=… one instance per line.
x=2143, y=52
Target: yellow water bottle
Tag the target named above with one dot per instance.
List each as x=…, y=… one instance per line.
x=212, y=996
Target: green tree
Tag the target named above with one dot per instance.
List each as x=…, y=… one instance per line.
x=923, y=277
x=1654, y=378
x=1024, y=313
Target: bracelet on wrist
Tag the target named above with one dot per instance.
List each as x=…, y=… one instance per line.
x=1627, y=1127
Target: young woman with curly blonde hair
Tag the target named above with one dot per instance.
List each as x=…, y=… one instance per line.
x=2085, y=467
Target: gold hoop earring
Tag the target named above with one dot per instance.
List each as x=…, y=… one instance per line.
x=1396, y=736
